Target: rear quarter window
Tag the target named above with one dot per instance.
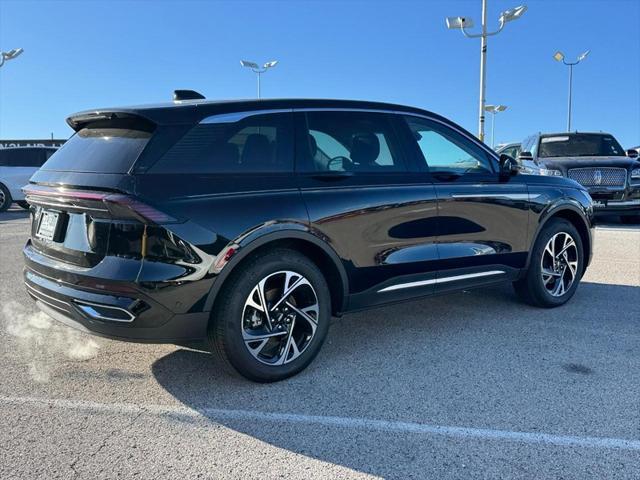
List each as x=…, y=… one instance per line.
x=261, y=143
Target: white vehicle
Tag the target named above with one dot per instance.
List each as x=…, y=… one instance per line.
x=17, y=165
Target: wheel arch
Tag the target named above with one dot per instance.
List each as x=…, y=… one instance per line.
x=573, y=214
x=307, y=244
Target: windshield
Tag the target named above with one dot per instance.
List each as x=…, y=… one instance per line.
x=580, y=145
x=99, y=150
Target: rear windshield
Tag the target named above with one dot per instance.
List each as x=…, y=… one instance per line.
x=580, y=145
x=99, y=150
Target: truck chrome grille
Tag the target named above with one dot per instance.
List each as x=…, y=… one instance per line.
x=599, y=177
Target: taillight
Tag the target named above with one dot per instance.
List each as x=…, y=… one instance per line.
x=119, y=205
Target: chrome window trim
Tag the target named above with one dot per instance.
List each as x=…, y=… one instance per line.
x=400, y=112
x=241, y=115
x=436, y=281
x=233, y=117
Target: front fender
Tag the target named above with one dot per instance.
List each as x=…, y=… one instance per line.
x=573, y=202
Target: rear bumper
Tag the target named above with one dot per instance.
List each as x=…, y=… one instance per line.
x=112, y=309
x=176, y=331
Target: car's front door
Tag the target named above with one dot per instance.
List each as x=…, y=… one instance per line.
x=364, y=202
x=482, y=217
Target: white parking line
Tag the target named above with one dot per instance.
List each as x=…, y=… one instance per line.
x=218, y=414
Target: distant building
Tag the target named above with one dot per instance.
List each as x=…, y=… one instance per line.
x=32, y=143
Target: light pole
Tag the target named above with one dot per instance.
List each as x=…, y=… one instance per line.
x=559, y=56
x=255, y=68
x=10, y=55
x=463, y=23
x=493, y=109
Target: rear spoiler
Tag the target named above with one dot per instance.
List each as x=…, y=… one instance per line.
x=110, y=118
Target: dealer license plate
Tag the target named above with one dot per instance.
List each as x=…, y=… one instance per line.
x=48, y=224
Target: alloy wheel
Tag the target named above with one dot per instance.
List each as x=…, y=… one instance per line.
x=559, y=264
x=280, y=318
x=3, y=198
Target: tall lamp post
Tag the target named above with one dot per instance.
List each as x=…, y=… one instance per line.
x=493, y=109
x=559, y=56
x=463, y=23
x=10, y=55
x=255, y=68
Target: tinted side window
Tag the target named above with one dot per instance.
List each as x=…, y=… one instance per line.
x=349, y=141
x=445, y=151
x=256, y=144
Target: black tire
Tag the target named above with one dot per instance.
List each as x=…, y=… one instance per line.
x=630, y=219
x=23, y=204
x=225, y=333
x=531, y=288
x=5, y=198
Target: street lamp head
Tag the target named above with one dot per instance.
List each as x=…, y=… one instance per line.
x=495, y=108
x=458, y=22
x=513, y=14
x=11, y=54
x=558, y=56
x=270, y=64
x=248, y=64
x=583, y=56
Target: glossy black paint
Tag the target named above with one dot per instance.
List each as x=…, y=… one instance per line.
x=367, y=232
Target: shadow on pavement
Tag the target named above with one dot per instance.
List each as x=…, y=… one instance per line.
x=475, y=359
x=614, y=221
x=14, y=213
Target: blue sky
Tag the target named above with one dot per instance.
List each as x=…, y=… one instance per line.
x=81, y=55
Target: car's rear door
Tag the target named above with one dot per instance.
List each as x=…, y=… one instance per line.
x=364, y=202
x=482, y=217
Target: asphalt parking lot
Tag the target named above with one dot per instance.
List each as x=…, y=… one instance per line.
x=470, y=385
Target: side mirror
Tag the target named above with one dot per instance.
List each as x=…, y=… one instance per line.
x=525, y=156
x=508, y=166
x=632, y=153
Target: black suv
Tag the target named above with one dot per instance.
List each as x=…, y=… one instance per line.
x=250, y=223
x=595, y=160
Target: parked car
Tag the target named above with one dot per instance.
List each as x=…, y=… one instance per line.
x=596, y=161
x=511, y=149
x=250, y=223
x=17, y=165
